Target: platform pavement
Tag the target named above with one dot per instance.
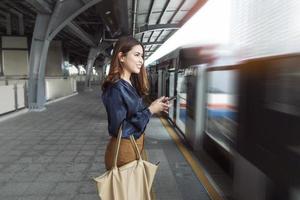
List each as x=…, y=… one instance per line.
x=53, y=155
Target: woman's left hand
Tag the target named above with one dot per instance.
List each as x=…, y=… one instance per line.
x=160, y=104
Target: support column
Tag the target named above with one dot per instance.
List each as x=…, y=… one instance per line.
x=103, y=71
x=94, y=52
x=38, y=57
x=46, y=27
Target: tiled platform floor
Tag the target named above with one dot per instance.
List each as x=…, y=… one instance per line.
x=52, y=155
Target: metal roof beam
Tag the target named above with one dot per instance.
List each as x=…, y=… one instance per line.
x=8, y=21
x=85, y=1
x=70, y=39
x=65, y=12
x=152, y=43
x=142, y=37
x=150, y=36
x=88, y=22
x=134, y=15
x=78, y=53
x=156, y=27
x=176, y=11
x=41, y=5
x=150, y=12
x=25, y=8
x=20, y=21
x=150, y=48
x=20, y=18
x=84, y=36
x=161, y=32
x=163, y=11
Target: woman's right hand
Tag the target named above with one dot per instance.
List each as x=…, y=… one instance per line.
x=160, y=104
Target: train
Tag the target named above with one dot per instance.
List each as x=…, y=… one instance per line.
x=245, y=113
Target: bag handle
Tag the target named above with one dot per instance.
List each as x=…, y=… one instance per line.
x=135, y=147
x=133, y=142
x=116, y=154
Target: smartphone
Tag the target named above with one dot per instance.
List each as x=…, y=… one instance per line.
x=172, y=98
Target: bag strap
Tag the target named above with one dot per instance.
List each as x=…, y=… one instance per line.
x=116, y=154
x=135, y=147
x=133, y=142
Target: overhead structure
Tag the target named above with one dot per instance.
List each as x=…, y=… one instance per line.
x=79, y=34
x=154, y=21
x=87, y=29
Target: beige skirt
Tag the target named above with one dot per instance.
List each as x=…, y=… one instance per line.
x=126, y=151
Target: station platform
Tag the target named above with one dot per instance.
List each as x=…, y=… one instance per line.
x=54, y=154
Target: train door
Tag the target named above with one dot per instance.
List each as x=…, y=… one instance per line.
x=195, y=106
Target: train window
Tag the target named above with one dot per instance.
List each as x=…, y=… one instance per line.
x=181, y=85
x=221, y=107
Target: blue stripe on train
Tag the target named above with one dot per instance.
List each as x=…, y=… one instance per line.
x=216, y=113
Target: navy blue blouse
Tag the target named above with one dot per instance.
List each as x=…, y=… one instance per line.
x=123, y=103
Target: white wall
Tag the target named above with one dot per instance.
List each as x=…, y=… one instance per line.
x=55, y=88
x=15, y=62
x=7, y=98
x=73, y=83
x=14, y=56
x=14, y=42
x=20, y=96
x=17, y=81
x=59, y=87
x=2, y=82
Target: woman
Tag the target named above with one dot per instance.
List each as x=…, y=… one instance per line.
x=123, y=90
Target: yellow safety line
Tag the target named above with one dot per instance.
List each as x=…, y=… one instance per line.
x=198, y=170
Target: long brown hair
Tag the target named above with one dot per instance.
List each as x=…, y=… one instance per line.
x=139, y=81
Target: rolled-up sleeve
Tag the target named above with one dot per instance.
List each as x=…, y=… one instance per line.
x=117, y=112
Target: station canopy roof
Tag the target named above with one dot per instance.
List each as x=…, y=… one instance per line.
x=150, y=21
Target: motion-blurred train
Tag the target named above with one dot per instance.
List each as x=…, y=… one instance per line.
x=244, y=113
